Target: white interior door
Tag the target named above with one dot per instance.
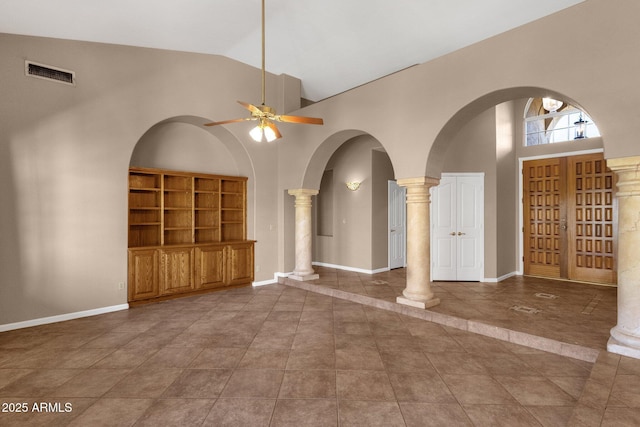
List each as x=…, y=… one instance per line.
x=457, y=230
x=397, y=225
x=443, y=230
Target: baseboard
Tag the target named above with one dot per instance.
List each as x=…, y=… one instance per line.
x=62, y=317
x=354, y=269
x=276, y=275
x=501, y=278
x=270, y=281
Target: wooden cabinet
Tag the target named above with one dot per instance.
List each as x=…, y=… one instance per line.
x=177, y=265
x=240, y=263
x=143, y=274
x=187, y=233
x=210, y=271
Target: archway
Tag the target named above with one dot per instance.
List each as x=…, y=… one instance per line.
x=211, y=150
x=347, y=234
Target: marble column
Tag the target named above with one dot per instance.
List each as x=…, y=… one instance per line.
x=625, y=336
x=303, y=269
x=418, y=292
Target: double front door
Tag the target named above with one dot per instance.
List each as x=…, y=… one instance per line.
x=570, y=218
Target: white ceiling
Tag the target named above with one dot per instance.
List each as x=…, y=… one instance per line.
x=331, y=45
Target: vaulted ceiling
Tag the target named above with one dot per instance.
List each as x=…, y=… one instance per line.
x=331, y=45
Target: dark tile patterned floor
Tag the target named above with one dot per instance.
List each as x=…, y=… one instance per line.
x=281, y=356
x=570, y=312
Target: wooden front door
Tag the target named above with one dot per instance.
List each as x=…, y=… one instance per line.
x=570, y=218
x=592, y=219
x=545, y=217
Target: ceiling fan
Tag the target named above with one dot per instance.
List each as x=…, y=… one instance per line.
x=265, y=115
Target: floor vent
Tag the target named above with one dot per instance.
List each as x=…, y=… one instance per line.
x=523, y=309
x=48, y=72
x=546, y=296
x=592, y=304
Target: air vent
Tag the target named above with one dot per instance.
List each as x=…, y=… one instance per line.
x=50, y=73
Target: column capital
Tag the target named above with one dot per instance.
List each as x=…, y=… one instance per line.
x=418, y=189
x=421, y=181
x=628, y=171
x=302, y=192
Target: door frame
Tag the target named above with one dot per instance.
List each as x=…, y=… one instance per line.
x=521, y=161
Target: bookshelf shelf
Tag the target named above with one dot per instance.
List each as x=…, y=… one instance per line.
x=186, y=231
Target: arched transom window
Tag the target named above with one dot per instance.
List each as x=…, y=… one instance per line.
x=548, y=121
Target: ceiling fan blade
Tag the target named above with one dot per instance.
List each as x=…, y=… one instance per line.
x=300, y=119
x=274, y=128
x=251, y=107
x=229, y=121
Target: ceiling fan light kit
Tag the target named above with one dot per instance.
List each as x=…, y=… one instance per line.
x=265, y=115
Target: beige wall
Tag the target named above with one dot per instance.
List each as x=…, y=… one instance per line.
x=507, y=230
x=415, y=114
x=473, y=149
x=358, y=239
x=381, y=173
x=417, y=110
x=183, y=147
x=64, y=151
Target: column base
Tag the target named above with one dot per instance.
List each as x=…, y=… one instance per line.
x=615, y=346
x=624, y=343
x=418, y=304
x=304, y=278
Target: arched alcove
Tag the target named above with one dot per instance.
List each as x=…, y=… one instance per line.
x=183, y=143
x=183, y=146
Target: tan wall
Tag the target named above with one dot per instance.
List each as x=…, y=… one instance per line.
x=183, y=147
x=506, y=190
x=472, y=149
x=417, y=112
x=358, y=239
x=64, y=151
x=382, y=172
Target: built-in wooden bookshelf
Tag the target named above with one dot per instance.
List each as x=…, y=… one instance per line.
x=187, y=233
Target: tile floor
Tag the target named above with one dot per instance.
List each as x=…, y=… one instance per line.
x=573, y=313
x=277, y=355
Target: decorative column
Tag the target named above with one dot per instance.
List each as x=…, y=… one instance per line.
x=303, y=269
x=625, y=336
x=418, y=291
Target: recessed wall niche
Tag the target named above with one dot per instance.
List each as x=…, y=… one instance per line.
x=325, y=204
x=183, y=146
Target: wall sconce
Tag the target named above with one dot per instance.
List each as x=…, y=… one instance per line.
x=353, y=185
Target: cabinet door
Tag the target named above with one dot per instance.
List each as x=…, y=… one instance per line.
x=177, y=270
x=210, y=267
x=143, y=274
x=239, y=263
